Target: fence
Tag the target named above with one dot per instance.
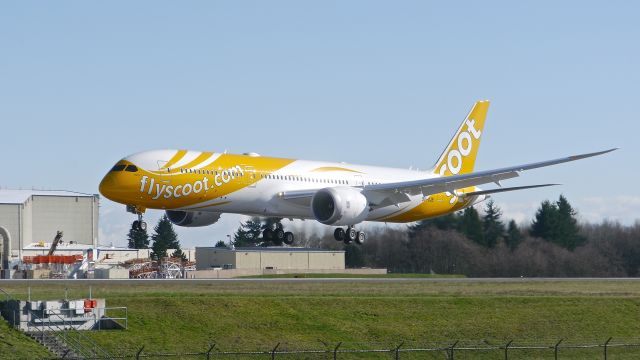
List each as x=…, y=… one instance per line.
x=454, y=350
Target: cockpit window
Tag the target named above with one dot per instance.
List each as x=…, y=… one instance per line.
x=119, y=167
x=131, y=168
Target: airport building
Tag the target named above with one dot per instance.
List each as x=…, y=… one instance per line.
x=270, y=258
x=30, y=219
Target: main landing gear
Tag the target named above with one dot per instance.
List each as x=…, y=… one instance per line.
x=278, y=235
x=138, y=224
x=349, y=235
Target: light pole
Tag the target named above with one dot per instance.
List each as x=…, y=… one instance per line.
x=229, y=239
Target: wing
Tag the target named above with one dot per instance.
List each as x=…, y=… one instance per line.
x=437, y=185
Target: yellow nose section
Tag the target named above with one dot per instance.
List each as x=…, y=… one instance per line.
x=108, y=186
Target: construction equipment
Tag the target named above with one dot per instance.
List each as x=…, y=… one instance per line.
x=55, y=243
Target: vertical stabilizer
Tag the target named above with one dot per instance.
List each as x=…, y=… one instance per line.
x=460, y=155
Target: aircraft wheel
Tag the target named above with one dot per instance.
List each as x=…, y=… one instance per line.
x=278, y=236
x=142, y=226
x=288, y=238
x=135, y=225
x=339, y=234
x=352, y=234
x=267, y=234
x=361, y=237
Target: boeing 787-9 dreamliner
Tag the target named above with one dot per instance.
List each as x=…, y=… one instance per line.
x=195, y=188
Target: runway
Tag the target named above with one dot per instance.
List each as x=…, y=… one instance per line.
x=309, y=280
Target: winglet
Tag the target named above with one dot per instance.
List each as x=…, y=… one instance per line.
x=583, y=156
x=460, y=155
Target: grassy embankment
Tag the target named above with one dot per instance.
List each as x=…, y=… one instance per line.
x=179, y=316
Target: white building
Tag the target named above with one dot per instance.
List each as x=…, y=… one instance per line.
x=34, y=216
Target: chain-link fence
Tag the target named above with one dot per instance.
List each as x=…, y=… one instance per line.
x=607, y=349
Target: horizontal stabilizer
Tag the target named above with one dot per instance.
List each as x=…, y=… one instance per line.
x=494, y=191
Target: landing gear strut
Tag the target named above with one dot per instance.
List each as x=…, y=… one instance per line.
x=349, y=235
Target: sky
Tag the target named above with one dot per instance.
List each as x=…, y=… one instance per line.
x=83, y=84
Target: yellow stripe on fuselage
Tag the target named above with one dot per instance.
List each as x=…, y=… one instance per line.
x=177, y=157
x=333, y=168
x=198, y=160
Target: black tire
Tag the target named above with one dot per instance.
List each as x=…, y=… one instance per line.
x=361, y=237
x=288, y=238
x=338, y=234
x=136, y=225
x=142, y=226
x=267, y=234
x=278, y=236
x=351, y=234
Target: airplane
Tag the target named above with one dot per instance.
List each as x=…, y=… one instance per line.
x=194, y=188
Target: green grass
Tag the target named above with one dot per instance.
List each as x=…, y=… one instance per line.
x=15, y=345
x=179, y=316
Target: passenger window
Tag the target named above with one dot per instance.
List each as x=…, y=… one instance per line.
x=118, y=168
x=131, y=168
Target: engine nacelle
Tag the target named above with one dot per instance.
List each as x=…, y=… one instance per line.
x=339, y=206
x=192, y=218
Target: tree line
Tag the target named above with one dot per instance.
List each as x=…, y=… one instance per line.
x=482, y=245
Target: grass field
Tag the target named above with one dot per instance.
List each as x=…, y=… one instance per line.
x=186, y=316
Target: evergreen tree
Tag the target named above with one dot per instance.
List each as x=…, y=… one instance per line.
x=471, y=226
x=567, y=231
x=220, y=244
x=138, y=239
x=165, y=238
x=249, y=233
x=557, y=223
x=544, y=224
x=179, y=254
x=514, y=236
x=492, y=226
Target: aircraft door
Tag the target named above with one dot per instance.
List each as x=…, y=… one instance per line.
x=250, y=176
x=359, y=181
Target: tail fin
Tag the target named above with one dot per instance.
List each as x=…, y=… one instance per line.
x=460, y=155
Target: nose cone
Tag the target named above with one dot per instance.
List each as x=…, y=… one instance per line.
x=108, y=186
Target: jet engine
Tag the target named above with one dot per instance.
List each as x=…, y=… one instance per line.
x=339, y=206
x=192, y=218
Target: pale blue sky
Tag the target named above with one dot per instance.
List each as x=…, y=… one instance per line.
x=83, y=84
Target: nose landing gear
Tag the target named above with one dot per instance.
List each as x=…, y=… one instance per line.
x=138, y=224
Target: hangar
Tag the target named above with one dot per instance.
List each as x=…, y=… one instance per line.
x=29, y=217
x=269, y=258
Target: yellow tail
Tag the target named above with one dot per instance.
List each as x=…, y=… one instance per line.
x=460, y=155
